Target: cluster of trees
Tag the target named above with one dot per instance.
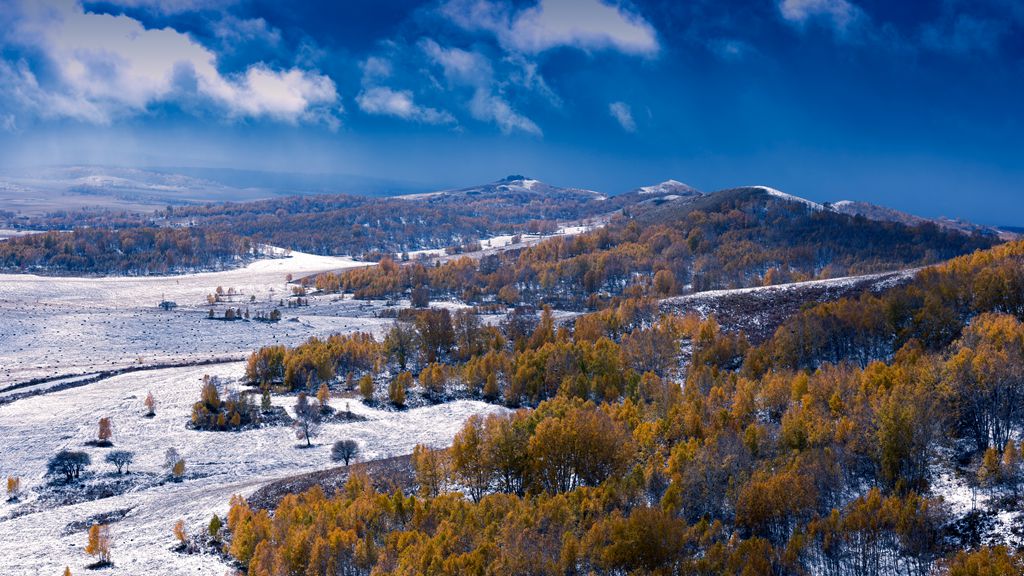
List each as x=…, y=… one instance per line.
x=316, y=361
x=730, y=239
x=234, y=412
x=523, y=361
x=751, y=475
x=71, y=464
x=271, y=317
x=133, y=251
x=192, y=544
x=739, y=240
x=738, y=471
x=237, y=314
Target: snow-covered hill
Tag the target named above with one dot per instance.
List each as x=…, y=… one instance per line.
x=512, y=187
x=668, y=187
x=47, y=189
x=42, y=539
x=884, y=214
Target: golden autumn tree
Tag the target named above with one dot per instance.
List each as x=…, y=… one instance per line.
x=150, y=404
x=105, y=432
x=99, y=543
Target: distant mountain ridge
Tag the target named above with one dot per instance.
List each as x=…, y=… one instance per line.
x=675, y=191
x=512, y=186
x=882, y=213
x=60, y=188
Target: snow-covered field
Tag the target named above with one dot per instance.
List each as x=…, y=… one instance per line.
x=219, y=464
x=57, y=326
x=69, y=327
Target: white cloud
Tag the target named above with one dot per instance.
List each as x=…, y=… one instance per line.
x=8, y=123
x=624, y=115
x=460, y=67
x=840, y=14
x=526, y=74
x=376, y=68
x=583, y=24
x=472, y=69
x=174, y=6
x=101, y=67
x=384, y=101
x=233, y=30
x=487, y=107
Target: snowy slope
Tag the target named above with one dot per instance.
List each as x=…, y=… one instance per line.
x=511, y=185
x=55, y=326
x=219, y=464
x=673, y=187
x=789, y=197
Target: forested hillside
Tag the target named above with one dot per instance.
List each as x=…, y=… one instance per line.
x=134, y=251
x=358, y=225
x=730, y=239
x=793, y=457
x=658, y=244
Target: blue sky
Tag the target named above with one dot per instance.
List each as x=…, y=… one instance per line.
x=915, y=105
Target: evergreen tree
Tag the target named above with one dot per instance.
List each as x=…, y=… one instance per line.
x=214, y=527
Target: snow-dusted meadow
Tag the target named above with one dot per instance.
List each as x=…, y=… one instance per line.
x=73, y=326
x=218, y=464
x=54, y=327
x=68, y=326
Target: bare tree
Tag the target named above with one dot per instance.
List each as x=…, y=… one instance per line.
x=171, y=457
x=344, y=450
x=307, y=418
x=120, y=459
x=70, y=464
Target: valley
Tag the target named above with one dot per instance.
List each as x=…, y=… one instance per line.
x=644, y=307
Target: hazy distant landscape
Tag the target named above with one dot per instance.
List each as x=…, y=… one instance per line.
x=42, y=190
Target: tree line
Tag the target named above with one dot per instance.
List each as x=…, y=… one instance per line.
x=131, y=251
